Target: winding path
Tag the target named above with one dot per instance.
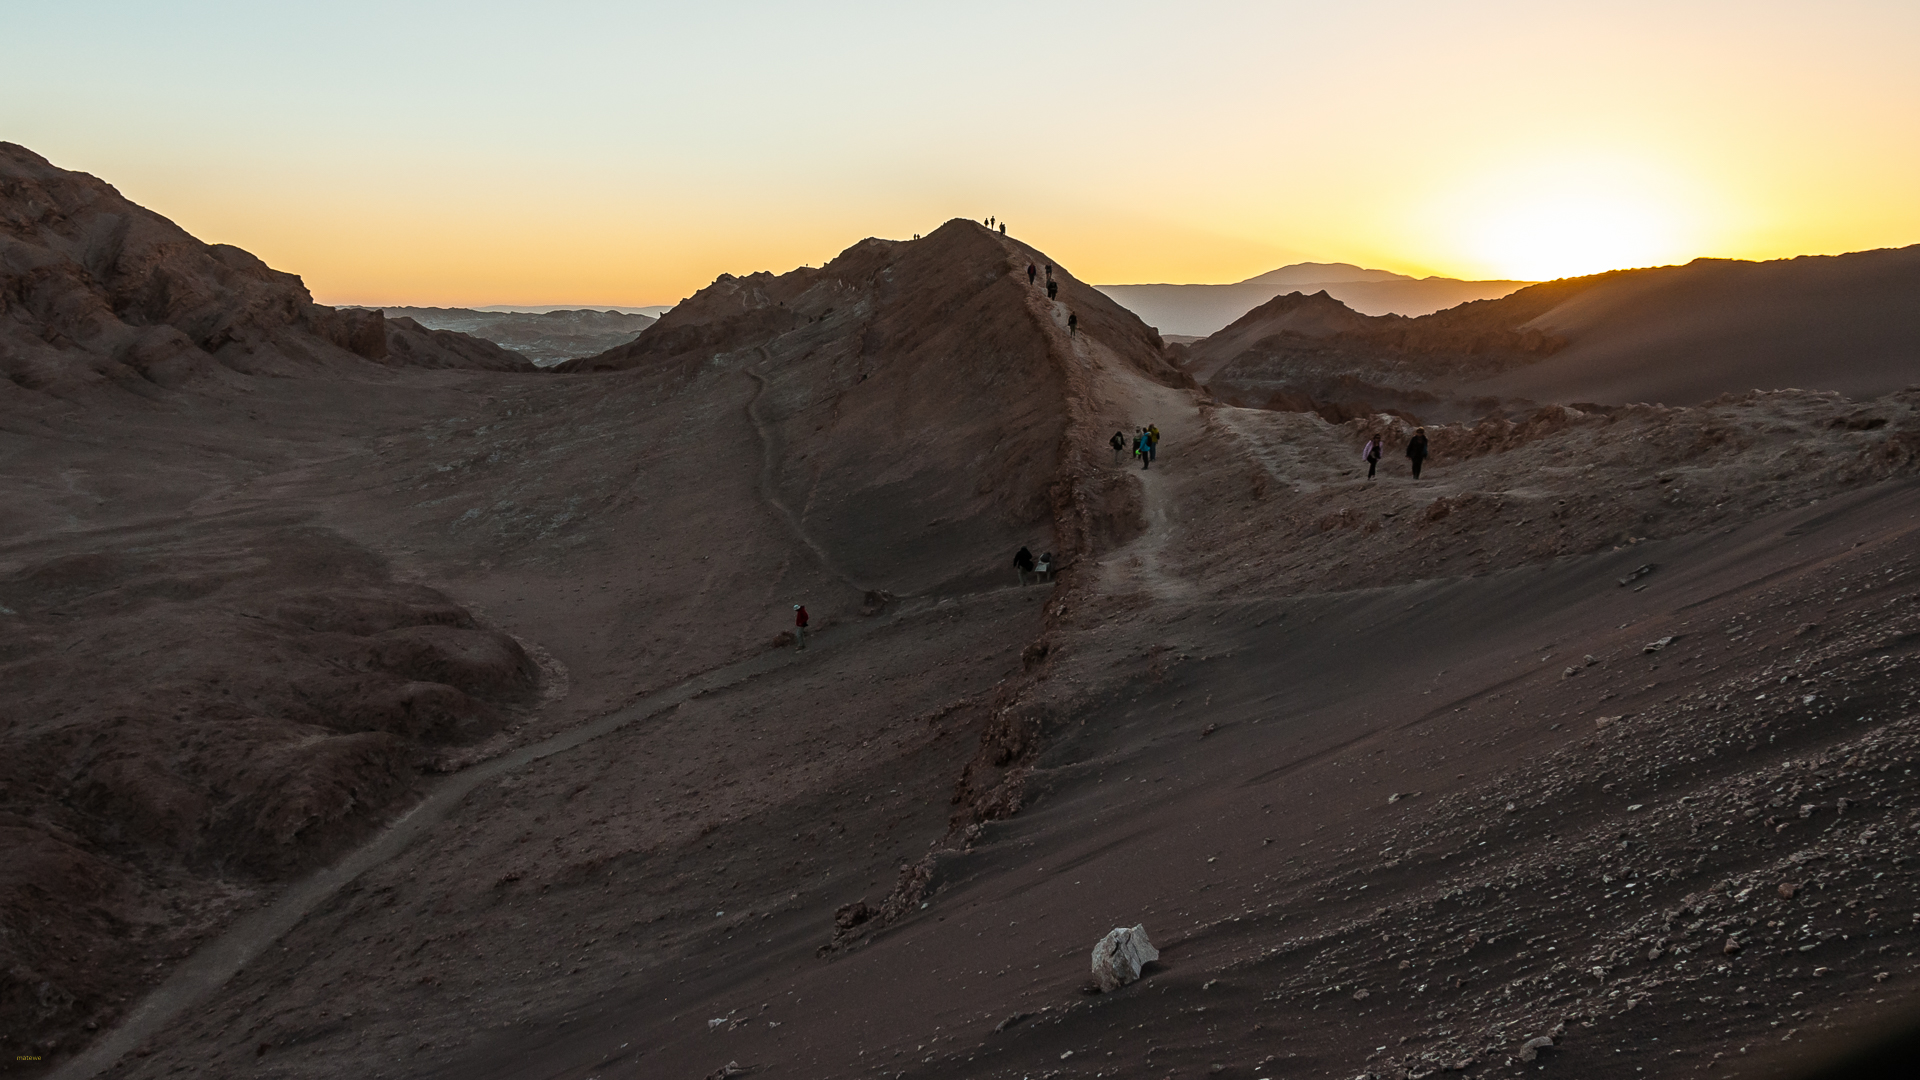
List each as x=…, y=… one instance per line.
x=213, y=964
x=769, y=467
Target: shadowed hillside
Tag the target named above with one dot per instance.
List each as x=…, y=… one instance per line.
x=95, y=290
x=408, y=722
x=1678, y=335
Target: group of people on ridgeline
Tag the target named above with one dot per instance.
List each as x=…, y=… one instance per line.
x=1053, y=287
x=1028, y=569
x=1416, y=451
x=1003, y=226
x=1144, y=445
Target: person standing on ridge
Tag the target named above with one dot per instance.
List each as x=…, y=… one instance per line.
x=1031, y=273
x=799, y=627
x=1417, y=450
x=1119, y=443
x=1023, y=563
x=1371, y=455
x=1073, y=324
x=1003, y=228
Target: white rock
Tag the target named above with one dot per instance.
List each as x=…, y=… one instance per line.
x=1118, y=957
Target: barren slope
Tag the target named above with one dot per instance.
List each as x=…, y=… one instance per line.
x=1388, y=770
x=1680, y=335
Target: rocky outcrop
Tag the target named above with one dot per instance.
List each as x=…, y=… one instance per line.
x=95, y=290
x=1118, y=957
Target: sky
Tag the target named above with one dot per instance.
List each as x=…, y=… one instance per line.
x=592, y=152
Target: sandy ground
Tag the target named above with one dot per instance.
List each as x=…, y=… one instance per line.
x=1600, y=733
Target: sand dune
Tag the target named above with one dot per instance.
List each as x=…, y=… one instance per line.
x=1685, y=334
x=1597, y=732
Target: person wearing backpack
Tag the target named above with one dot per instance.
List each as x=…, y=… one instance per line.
x=1371, y=455
x=1119, y=443
x=1417, y=450
x=1023, y=563
x=1153, y=441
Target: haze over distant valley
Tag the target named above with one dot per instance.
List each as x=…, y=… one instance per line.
x=1188, y=311
x=545, y=337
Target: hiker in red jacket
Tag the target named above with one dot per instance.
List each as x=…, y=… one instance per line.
x=799, y=626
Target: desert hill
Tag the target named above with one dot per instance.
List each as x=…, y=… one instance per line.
x=1200, y=310
x=544, y=337
x=1585, y=751
x=1679, y=335
x=95, y=290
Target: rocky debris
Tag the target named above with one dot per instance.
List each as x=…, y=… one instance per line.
x=728, y=1071
x=1532, y=1048
x=1639, y=572
x=1119, y=957
x=1656, y=646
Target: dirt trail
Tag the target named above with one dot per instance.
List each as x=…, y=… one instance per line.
x=1141, y=564
x=769, y=468
x=210, y=967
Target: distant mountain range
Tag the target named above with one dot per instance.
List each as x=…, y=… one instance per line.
x=1679, y=335
x=1199, y=310
x=546, y=337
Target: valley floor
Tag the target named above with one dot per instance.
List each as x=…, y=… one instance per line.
x=1400, y=778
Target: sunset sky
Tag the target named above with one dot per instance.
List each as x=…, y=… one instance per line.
x=626, y=153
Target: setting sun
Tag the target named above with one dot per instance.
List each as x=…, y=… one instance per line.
x=1565, y=236
x=1572, y=216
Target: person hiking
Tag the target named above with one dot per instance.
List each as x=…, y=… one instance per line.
x=1371, y=454
x=1023, y=563
x=799, y=626
x=1119, y=443
x=1153, y=441
x=1045, y=568
x=1417, y=450
x=1145, y=449
x=1003, y=228
x=1053, y=288
x=1073, y=324
x=1032, y=273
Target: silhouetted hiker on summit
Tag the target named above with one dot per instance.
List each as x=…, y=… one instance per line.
x=1119, y=443
x=1023, y=563
x=1031, y=273
x=1073, y=324
x=1371, y=454
x=799, y=626
x=1003, y=228
x=1417, y=450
